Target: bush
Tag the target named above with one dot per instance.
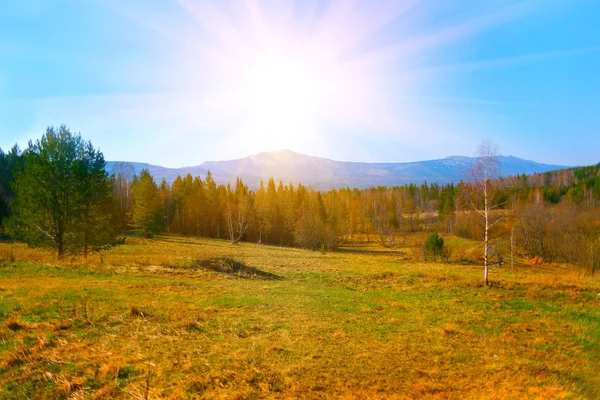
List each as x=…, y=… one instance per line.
x=433, y=247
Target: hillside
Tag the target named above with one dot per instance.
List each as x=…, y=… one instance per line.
x=324, y=174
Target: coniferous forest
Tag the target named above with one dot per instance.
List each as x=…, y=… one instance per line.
x=57, y=193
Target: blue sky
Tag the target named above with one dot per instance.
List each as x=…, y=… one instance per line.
x=179, y=82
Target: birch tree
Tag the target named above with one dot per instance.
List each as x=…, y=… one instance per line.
x=238, y=211
x=484, y=171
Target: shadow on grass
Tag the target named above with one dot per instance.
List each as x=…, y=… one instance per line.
x=229, y=266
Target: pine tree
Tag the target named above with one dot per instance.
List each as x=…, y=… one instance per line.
x=261, y=211
x=214, y=203
x=62, y=195
x=147, y=216
x=433, y=247
x=95, y=226
x=8, y=165
x=274, y=222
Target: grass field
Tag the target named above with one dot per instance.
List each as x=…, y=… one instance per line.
x=182, y=317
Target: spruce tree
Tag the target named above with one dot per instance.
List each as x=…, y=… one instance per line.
x=147, y=216
x=8, y=165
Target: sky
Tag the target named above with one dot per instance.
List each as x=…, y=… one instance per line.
x=179, y=82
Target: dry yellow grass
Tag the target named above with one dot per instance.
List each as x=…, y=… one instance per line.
x=193, y=318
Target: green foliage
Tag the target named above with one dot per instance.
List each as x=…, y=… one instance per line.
x=147, y=215
x=62, y=195
x=276, y=213
x=433, y=247
x=96, y=227
x=8, y=164
x=446, y=204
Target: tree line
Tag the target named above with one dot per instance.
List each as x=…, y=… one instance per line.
x=57, y=192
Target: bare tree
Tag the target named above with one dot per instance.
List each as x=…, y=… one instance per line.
x=533, y=221
x=485, y=169
x=123, y=174
x=237, y=221
x=238, y=211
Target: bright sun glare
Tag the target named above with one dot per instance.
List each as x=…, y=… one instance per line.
x=283, y=95
x=281, y=81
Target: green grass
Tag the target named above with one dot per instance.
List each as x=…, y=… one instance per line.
x=169, y=316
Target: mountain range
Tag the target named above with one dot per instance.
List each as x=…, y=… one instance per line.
x=323, y=174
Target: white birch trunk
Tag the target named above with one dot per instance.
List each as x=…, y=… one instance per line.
x=487, y=227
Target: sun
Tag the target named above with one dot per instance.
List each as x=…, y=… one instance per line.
x=283, y=95
x=269, y=79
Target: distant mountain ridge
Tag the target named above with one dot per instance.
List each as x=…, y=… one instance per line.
x=324, y=174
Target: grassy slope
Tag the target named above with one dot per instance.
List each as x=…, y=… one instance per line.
x=362, y=322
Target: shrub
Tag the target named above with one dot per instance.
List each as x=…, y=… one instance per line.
x=433, y=247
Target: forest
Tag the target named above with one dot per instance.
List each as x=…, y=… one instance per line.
x=57, y=193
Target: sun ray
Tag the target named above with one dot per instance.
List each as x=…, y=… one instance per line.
x=280, y=76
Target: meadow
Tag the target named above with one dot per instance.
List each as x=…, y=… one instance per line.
x=181, y=317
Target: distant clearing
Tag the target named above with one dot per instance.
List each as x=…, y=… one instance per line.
x=180, y=317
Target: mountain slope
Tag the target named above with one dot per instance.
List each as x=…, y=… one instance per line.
x=322, y=173
x=159, y=173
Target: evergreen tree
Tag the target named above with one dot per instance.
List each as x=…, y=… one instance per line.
x=261, y=211
x=214, y=197
x=433, y=247
x=165, y=201
x=274, y=222
x=147, y=216
x=97, y=231
x=62, y=194
x=8, y=165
